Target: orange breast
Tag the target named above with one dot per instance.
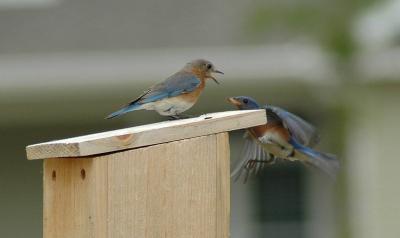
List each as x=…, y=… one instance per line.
x=194, y=95
x=281, y=131
x=259, y=131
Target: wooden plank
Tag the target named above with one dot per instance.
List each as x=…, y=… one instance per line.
x=147, y=135
x=223, y=185
x=99, y=189
x=67, y=207
x=172, y=190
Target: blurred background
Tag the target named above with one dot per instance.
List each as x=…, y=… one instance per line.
x=65, y=64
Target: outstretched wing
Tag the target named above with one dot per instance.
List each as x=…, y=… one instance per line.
x=179, y=83
x=252, y=159
x=302, y=131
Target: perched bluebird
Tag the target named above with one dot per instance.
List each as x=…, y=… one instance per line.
x=285, y=136
x=177, y=93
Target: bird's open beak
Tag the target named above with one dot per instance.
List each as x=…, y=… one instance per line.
x=215, y=80
x=217, y=72
x=234, y=101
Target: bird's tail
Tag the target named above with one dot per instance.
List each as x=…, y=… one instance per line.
x=324, y=161
x=128, y=108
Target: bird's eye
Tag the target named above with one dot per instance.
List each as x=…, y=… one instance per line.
x=245, y=100
x=208, y=66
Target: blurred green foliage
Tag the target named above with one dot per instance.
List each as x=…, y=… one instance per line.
x=327, y=22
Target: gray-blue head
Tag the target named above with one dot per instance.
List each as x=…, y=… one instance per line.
x=244, y=102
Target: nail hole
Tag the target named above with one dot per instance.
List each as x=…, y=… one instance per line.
x=53, y=175
x=83, y=173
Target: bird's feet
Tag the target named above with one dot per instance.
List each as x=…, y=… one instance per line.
x=172, y=118
x=186, y=116
x=252, y=163
x=180, y=116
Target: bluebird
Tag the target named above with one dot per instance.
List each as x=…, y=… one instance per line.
x=284, y=136
x=175, y=94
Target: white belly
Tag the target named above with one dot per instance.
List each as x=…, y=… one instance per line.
x=275, y=144
x=169, y=106
x=272, y=136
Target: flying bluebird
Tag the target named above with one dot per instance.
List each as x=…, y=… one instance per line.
x=285, y=136
x=175, y=94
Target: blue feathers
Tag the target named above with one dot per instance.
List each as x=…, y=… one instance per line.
x=177, y=84
x=326, y=162
x=285, y=136
x=302, y=131
x=181, y=82
x=124, y=110
x=165, y=97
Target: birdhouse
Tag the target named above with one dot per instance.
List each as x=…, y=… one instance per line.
x=168, y=179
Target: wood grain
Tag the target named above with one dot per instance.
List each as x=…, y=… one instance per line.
x=147, y=135
x=223, y=185
x=173, y=190
x=67, y=210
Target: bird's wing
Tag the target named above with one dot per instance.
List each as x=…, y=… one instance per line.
x=252, y=160
x=179, y=83
x=302, y=131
